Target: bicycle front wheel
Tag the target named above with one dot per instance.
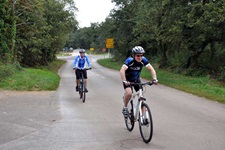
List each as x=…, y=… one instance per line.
x=81, y=90
x=84, y=92
x=130, y=120
x=145, y=123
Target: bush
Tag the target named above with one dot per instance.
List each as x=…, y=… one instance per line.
x=222, y=75
x=7, y=70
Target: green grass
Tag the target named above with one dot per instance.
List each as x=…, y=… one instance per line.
x=200, y=86
x=64, y=54
x=29, y=79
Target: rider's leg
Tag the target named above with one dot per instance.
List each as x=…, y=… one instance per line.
x=86, y=90
x=77, y=82
x=85, y=77
x=77, y=72
x=127, y=96
x=86, y=82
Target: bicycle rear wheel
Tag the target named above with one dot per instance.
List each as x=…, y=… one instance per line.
x=145, y=123
x=84, y=92
x=130, y=120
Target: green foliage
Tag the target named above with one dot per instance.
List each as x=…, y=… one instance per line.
x=28, y=79
x=48, y=31
x=53, y=66
x=8, y=70
x=31, y=32
x=31, y=80
x=110, y=63
x=186, y=36
x=5, y=55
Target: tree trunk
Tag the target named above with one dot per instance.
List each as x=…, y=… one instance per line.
x=192, y=61
x=213, y=50
x=164, y=59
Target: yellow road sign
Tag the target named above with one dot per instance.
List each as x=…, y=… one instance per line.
x=109, y=40
x=109, y=43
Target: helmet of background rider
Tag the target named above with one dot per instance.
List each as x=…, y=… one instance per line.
x=82, y=51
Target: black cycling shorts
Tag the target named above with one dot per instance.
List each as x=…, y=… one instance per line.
x=79, y=73
x=136, y=87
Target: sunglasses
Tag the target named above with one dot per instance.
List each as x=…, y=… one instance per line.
x=139, y=55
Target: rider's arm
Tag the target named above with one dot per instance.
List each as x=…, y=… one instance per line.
x=75, y=62
x=122, y=72
x=88, y=62
x=152, y=70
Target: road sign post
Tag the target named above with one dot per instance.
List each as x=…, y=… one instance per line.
x=109, y=44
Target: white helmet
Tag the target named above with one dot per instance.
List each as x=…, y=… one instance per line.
x=138, y=50
x=82, y=51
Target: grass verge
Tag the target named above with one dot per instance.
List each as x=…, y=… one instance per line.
x=200, y=86
x=30, y=79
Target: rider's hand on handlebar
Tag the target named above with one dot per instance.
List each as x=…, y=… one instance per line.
x=126, y=83
x=155, y=81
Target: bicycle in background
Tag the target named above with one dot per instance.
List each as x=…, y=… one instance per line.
x=140, y=111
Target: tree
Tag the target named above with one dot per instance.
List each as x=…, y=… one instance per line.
x=185, y=36
x=41, y=32
x=5, y=37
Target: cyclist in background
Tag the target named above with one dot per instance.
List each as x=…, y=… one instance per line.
x=79, y=65
x=130, y=72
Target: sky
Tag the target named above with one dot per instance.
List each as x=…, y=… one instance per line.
x=92, y=11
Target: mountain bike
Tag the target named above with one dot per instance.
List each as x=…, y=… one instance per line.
x=82, y=86
x=139, y=111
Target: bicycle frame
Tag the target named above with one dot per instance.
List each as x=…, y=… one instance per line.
x=139, y=102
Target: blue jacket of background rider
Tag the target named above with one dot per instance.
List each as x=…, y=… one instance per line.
x=80, y=62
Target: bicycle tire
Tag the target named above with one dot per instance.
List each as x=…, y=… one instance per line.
x=84, y=92
x=146, y=123
x=81, y=90
x=130, y=120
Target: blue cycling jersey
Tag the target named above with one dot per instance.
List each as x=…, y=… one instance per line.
x=79, y=62
x=134, y=68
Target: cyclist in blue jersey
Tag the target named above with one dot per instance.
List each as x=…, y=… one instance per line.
x=130, y=72
x=79, y=65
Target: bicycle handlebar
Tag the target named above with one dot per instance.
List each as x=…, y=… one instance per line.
x=83, y=68
x=143, y=83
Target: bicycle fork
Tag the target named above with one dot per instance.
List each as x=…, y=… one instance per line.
x=141, y=110
x=81, y=84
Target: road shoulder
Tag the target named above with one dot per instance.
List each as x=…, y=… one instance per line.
x=24, y=112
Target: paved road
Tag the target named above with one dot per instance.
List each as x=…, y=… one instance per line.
x=58, y=120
